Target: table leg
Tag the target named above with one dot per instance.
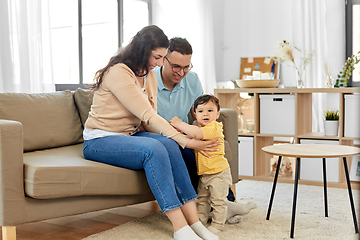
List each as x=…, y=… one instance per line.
x=294, y=198
x=350, y=194
x=325, y=188
x=273, y=188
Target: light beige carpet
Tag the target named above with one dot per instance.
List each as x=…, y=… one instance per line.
x=310, y=221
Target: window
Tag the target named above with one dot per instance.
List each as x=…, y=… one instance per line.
x=86, y=33
x=353, y=37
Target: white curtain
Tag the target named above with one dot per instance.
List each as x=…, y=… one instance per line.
x=316, y=26
x=25, y=59
x=192, y=20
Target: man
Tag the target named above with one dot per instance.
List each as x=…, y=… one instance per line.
x=178, y=88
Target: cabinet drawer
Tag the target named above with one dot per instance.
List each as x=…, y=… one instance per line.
x=246, y=156
x=277, y=114
x=352, y=116
x=311, y=168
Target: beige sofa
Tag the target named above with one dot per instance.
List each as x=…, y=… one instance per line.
x=43, y=172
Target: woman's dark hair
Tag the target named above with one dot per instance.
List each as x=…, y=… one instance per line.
x=136, y=54
x=205, y=99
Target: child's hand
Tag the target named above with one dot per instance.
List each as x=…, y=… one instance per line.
x=175, y=122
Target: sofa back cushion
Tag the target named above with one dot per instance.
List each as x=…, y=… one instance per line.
x=83, y=101
x=49, y=119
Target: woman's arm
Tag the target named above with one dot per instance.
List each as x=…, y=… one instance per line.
x=121, y=81
x=204, y=146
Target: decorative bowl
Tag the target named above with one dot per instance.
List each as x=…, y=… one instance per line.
x=265, y=83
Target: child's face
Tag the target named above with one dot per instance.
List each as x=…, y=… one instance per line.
x=206, y=113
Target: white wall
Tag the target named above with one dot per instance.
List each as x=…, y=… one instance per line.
x=248, y=29
x=190, y=19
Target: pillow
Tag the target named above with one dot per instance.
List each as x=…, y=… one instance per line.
x=83, y=102
x=49, y=119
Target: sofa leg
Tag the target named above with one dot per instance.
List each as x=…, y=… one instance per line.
x=8, y=233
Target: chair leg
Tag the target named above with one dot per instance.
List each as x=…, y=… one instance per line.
x=350, y=195
x=8, y=233
x=273, y=188
x=295, y=197
x=325, y=188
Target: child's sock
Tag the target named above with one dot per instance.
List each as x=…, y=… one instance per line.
x=186, y=233
x=203, y=232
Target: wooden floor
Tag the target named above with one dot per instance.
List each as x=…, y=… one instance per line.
x=80, y=226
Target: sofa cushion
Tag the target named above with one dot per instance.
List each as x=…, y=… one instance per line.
x=48, y=119
x=63, y=172
x=83, y=102
x=228, y=154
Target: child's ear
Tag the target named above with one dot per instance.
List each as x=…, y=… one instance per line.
x=218, y=115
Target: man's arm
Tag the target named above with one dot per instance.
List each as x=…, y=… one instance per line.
x=191, y=130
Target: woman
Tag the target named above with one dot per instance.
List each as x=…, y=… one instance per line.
x=124, y=103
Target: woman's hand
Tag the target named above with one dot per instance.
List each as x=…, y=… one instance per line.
x=204, y=146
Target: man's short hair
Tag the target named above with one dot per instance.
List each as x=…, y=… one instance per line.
x=180, y=45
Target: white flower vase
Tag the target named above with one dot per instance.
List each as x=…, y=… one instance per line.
x=331, y=127
x=240, y=123
x=300, y=79
x=329, y=82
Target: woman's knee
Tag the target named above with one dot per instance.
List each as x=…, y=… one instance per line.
x=170, y=144
x=153, y=146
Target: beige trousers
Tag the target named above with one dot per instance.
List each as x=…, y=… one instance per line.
x=212, y=191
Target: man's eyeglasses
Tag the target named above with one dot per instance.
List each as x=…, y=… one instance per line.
x=176, y=68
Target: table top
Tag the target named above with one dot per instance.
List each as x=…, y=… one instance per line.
x=311, y=150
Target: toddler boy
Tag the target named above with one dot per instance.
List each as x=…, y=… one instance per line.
x=214, y=172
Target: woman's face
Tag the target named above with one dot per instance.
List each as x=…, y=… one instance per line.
x=157, y=57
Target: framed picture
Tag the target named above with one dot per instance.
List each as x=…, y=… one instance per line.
x=261, y=64
x=355, y=169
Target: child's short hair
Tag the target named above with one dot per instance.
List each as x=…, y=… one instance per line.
x=205, y=99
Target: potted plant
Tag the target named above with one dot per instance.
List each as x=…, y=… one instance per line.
x=348, y=68
x=331, y=122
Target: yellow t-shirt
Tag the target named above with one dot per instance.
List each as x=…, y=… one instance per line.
x=217, y=163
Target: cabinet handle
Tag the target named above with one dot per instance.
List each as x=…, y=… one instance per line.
x=277, y=99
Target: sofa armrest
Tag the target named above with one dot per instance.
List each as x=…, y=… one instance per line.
x=228, y=117
x=12, y=194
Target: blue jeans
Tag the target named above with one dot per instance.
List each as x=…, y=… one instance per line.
x=159, y=156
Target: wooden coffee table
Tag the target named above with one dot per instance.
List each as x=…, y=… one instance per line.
x=311, y=151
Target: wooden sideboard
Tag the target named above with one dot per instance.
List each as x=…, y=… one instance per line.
x=303, y=126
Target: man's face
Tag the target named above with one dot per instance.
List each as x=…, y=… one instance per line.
x=175, y=60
